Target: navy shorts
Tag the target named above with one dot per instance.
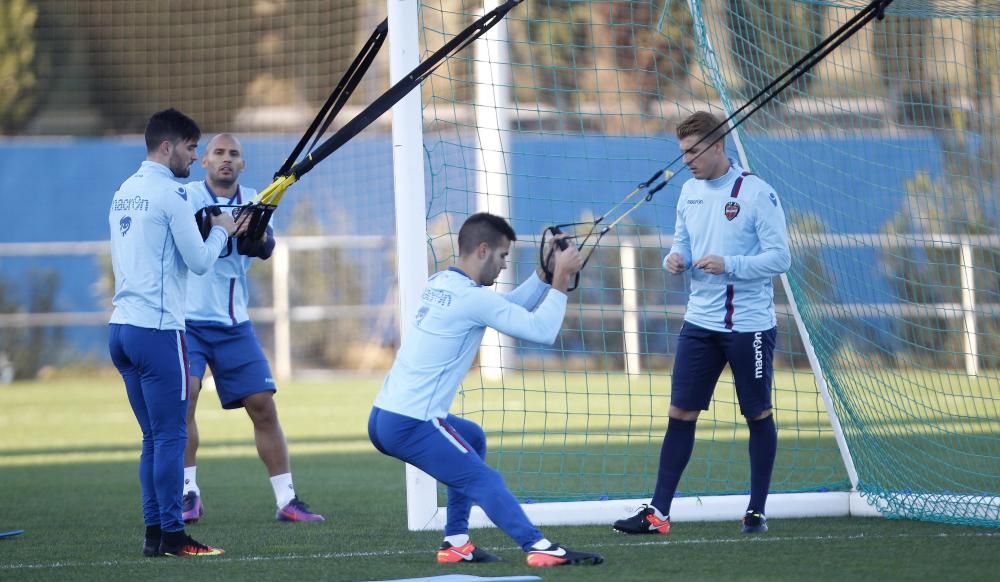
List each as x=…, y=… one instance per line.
x=234, y=354
x=702, y=354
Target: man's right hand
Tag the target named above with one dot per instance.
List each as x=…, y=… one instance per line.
x=675, y=264
x=567, y=263
x=243, y=223
x=225, y=220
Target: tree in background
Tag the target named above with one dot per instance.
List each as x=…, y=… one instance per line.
x=922, y=276
x=569, y=58
x=961, y=201
x=986, y=96
x=901, y=47
x=28, y=349
x=17, y=61
x=986, y=165
x=858, y=340
x=211, y=59
x=299, y=50
x=545, y=45
x=768, y=36
x=641, y=52
x=321, y=277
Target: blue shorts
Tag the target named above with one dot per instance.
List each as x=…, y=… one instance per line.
x=234, y=354
x=702, y=354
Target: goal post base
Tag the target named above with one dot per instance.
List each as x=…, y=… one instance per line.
x=709, y=508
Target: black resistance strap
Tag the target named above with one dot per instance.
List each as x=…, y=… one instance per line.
x=267, y=200
x=656, y=182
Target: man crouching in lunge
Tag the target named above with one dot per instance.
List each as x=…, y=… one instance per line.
x=410, y=419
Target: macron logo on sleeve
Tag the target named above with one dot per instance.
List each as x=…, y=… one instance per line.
x=182, y=193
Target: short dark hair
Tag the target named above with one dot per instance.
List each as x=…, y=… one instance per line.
x=170, y=125
x=483, y=227
x=702, y=124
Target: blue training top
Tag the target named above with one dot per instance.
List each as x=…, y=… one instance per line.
x=154, y=242
x=739, y=217
x=447, y=330
x=221, y=294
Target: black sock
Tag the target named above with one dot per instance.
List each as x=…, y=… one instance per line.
x=153, y=532
x=674, y=456
x=763, y=448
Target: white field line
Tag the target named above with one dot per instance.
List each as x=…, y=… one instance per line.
x=388, y=553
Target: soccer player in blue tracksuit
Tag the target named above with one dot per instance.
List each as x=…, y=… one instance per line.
x=154, y=243
x=220, y=335
x=410, y=419
x=731, y=236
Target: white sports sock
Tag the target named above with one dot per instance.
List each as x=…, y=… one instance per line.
x=457, y=540
x=190, y=483
x=284, y=491
x=542, y=544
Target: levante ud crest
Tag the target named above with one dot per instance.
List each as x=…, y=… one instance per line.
x=732, y=209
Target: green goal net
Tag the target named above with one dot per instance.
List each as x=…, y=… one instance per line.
x=884, y=158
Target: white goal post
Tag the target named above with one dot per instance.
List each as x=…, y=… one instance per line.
x=423, y=511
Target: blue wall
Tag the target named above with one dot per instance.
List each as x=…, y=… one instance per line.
x=59, y=190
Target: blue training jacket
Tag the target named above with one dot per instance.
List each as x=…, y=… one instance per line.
x=154, y=243
x=221, y=294
x=739, y=217
x=447, y=330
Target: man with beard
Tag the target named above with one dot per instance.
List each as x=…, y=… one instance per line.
x=410, y=419
x=154, y=243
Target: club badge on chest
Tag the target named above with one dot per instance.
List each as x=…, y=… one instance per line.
x=732, y=210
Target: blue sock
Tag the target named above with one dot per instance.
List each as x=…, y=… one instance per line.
x=674, y=456
x=763, y=448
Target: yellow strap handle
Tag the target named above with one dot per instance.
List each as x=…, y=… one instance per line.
x=273, y=193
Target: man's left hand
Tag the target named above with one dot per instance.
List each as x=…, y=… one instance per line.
x=712, y=264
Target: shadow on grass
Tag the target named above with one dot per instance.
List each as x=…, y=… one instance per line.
x=205, y=445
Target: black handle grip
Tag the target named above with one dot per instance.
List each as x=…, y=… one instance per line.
x=204, y=222
x=259, y=218
x=544, y=260
x=563, y=245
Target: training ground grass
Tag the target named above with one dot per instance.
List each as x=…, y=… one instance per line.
x=68, y=476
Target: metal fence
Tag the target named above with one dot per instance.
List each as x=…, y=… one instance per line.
x=283, y=315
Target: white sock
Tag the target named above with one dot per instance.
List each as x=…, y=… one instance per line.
x=284, y=491
x=457, y=540
x=542, y=544
x=190, y=483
